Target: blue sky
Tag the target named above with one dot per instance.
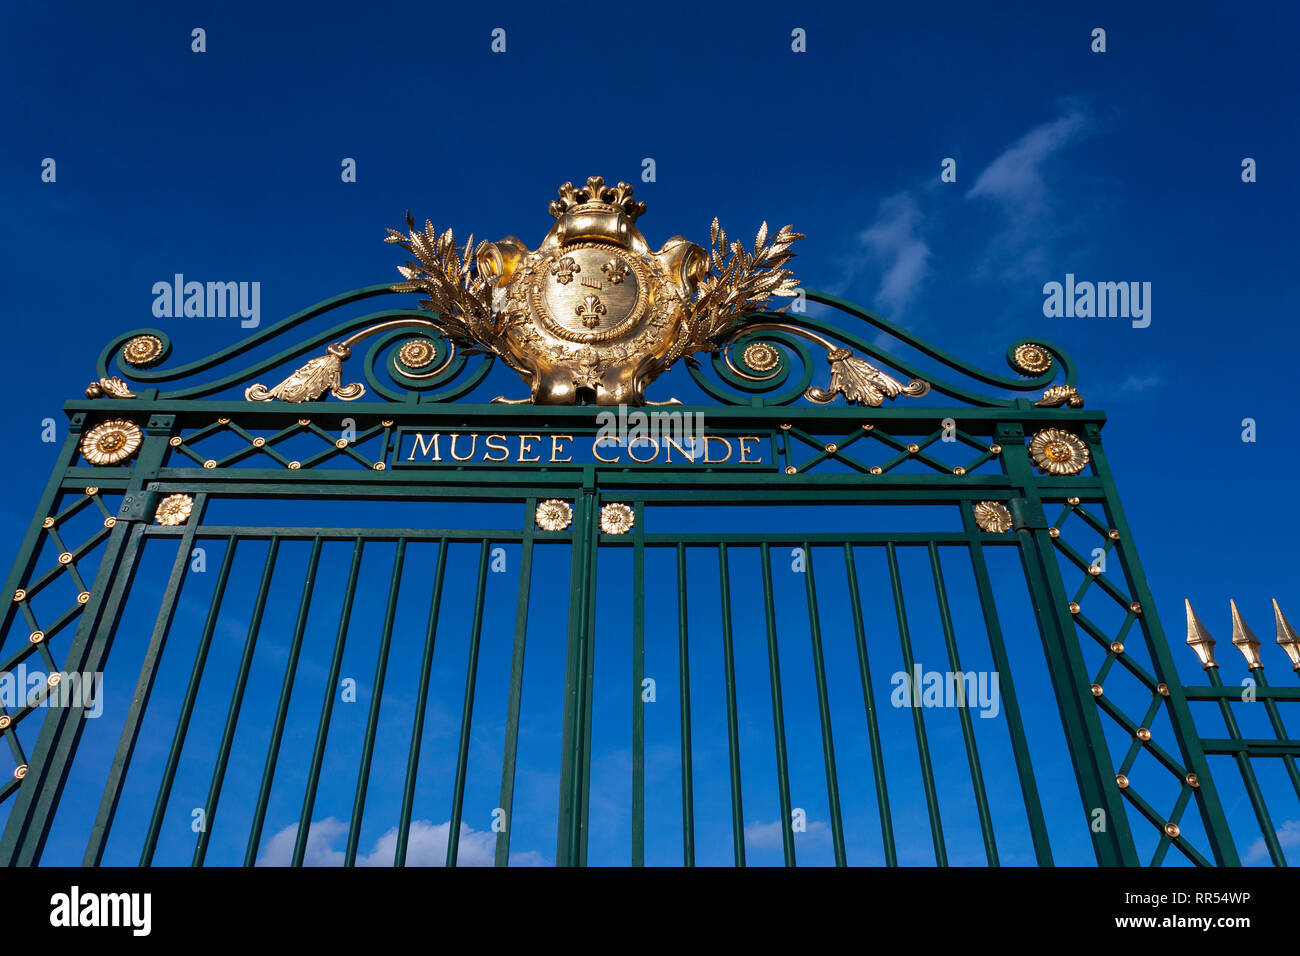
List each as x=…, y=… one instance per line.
x=1116, y=166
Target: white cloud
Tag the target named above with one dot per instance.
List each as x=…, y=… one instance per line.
x=1139, y=384
x=1015, y=182
x=767, y=835
x=1288, y=835
x=893, y=247
x=427, y=846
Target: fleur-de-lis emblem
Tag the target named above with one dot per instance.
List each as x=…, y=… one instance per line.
x=590, y=311
x=564, y=270
x=616, y=269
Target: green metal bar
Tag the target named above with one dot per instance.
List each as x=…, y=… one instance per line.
x=1279, y=728
x=421, y=705
x=918, y=717
x=963, y=712
x=508, y=761
x=282, y=710
x=577, y=682
x=140, y=699
x=236, y=704
x=873, y=723
x=733, y=723
x=778, y=713
x=638, y=679
x=593, y=538
x=467, y=710
x=1010, y=703
x=327, y=707
x=684, y=674
x=187, y=706
x=376, y=697
x=824, y=712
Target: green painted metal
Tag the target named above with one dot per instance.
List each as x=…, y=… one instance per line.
x=800, y=470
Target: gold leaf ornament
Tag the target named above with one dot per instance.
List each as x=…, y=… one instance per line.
x=861, y=383
x=111, y=442
x=311, y=381
x=1057, y=452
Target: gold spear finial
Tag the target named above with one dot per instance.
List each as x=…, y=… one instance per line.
x=1244, y=639
x=1199, y=639
x=1287, y=638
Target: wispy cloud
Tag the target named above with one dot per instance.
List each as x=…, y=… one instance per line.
x=767, y=835
x=894, y=249
x=1136, y=384
x=1288, y=836
x=1016, y=183
x=427, y=846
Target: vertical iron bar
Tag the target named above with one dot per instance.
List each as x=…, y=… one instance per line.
x=282, y=710
x=824, y=711
x=327, y=707
x=733, y=724
x=236, y=704
x=576, y=687
x=143, y=690
x=638, y=678
x=918, y=716
x=187, y=706
x=508, y=761
x=684, y=675
x=376, y=699
x=963, y=710
x=467, y=710
x=778, y=714
x=873, y=723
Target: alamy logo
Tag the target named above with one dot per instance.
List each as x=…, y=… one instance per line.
x=1104, y=300
x=74, y=908
x=211, y=300
x=21, y=688
x=977, y=690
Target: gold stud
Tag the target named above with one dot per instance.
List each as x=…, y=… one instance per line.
x=5, y=720
x=259, y=441
x=1074, y=607
x=1112, y=534
x=1053, y=532
x=1116, y=647
x=223, y=421
x=1171, y=829
x=876, y=470
x=20, y=771
x=1072, y=501
x=92, y=490
x=210, y=463
x=995, y=449
x=380, y=466
x=295, y=465
x=110, y=521
x=83, y=597
x=1193, y=781
x=1122, y=781
x=19, y=595
x=65, y=557
x=868, y=427
x=175, y=441
x=1135, y=607
x=790, y=469
x=959, y=470
x=1096, y=690
x=1094, y=570
x=831, y=448
x=36, y=637
x=785, y=427
x=1162, y=690
x=913, y=448
x=387, y=423
x=341, y=443
x=304, y=421
x=47, y=523
x=52, y=680
x=1143, y=734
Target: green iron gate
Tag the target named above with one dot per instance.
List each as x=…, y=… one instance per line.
x=710, y=637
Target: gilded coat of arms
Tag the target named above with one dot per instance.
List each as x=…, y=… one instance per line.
x=594, y=313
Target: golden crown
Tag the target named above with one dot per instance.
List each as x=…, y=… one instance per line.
x=596, y=196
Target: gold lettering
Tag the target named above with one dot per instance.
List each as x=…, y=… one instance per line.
x=744, y=450
x=473, y=441
x=715, y=461
x=555, y=448
x=632, y=454
x=670, y=444
x=523, y=447
x=420, y=443
x=595, y=451
x=501, y=447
